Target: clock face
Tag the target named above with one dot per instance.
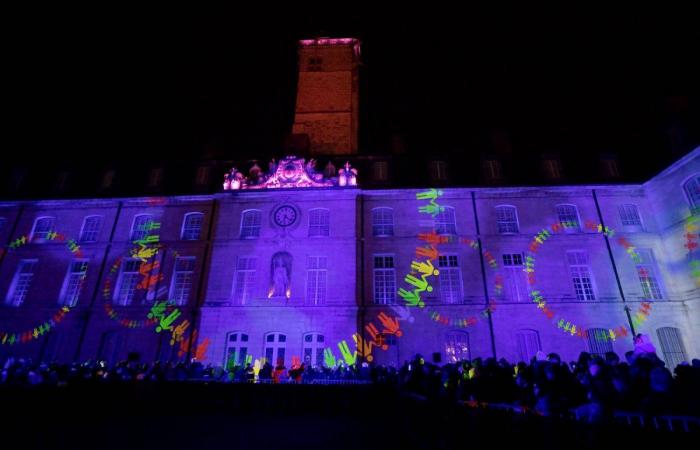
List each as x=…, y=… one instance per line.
x=285, y=216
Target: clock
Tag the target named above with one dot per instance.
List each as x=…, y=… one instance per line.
x=285, y=216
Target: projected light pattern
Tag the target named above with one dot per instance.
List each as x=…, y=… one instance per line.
x=691, y=236
x=26, y=336
x=563, y=323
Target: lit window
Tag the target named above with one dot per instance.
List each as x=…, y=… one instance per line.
x=236, y=350
x=457, y=346
x=244, y=279
x=140, y=228
x=492, y=169
x=250, y=223
x=316, y=274
x=155, y=177
x=382, y=222
x=445, y=222
x=671, y=346
x=692, y=190
x=91, y=228
x=313, y=349
x=438, y=170
x=42, y=227
x=629, y=215
x=506, y=219
x=275, y=346
x=128, y=280
x=552, y=168
x=599, y=342
x=319, y=220
x=384, y=279
x=183, y=277
x=380, y=171
x=581, y=275
x=528, y=344
x=73, y=282
x=450, y=279
x=646, y=271
x=512, y=259
x=192, y=226
x=21, y=282
x=568, y=214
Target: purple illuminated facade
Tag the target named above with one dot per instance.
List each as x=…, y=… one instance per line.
x=283, y=272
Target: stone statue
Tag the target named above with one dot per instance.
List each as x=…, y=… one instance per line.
x=281, y=272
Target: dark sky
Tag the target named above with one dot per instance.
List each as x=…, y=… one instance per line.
x=127, y=85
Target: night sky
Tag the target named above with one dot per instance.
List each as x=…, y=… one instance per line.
x=104, y=86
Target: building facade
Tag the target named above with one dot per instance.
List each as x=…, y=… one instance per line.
x=291, y=270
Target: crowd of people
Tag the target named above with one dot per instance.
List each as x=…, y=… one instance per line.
x=593, y=387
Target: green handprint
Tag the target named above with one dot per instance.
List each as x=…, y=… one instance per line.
x=350, y=358
x=329, y=358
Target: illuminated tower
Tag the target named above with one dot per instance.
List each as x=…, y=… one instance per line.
x=327, y=94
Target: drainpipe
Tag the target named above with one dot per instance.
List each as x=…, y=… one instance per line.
x=614, y=266
x=483, y=276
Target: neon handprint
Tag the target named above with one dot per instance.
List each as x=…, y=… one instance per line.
x=432, y=209
x=201, y=350
x=425, y=267
x=329, y=358
x=420, y=284
x=430, y=194
x=433, y=238
x=166, y=322
x=364, y=348
x=350, y=358
x=411, y=298
x=427, y=252
x=377, y=337
x=390, y=324
x=403, y=313
x=157, y=310
x=179, y=332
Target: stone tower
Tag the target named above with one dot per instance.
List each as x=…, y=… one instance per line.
x=327, y=95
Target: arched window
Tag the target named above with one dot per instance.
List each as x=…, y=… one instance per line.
x=671, y=346
x=313, y=349
x=506, y=219
x=692, y=190
x=569, y=218
x=91, y=228
x=319, y=222
x=236, y=349
x=457, y=346
x=42, y=227
x=251, y=220
x=192, y=226
x=528, y=344
x=599, y=341
x=275, y=346
x=140, y=228
x=445, y=222
x=382, y=221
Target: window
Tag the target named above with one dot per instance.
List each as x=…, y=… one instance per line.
x=316, y=275
x=450, y=279
x=384, y=279
x=672, y=346
x=319, y=222
x=313, y=349
x=108, y=179
x=202, y=176
x=91, y=228
x=192, y=226
x=128, y=279
x=609, y=167
x=438, y=170
x=514, y=287
x=552, y=167
x=72, y=285
x=445, y=221
x=155, y=177
x=380, y=171
x=457, y=346
x=506, y=219
x=140, y=228
x=692, y=190
x=275, y=345
x=528, y=344
x=599, y=342
x=629, y=215
x=250, y=223
x=244, y=279
x=382, y=222
x=492, y=169
x=581, y=275
x=42, y=227
x=569, y=214
x=183, y=276
x=646, y=271
x=21, y=282
x=236, y=349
